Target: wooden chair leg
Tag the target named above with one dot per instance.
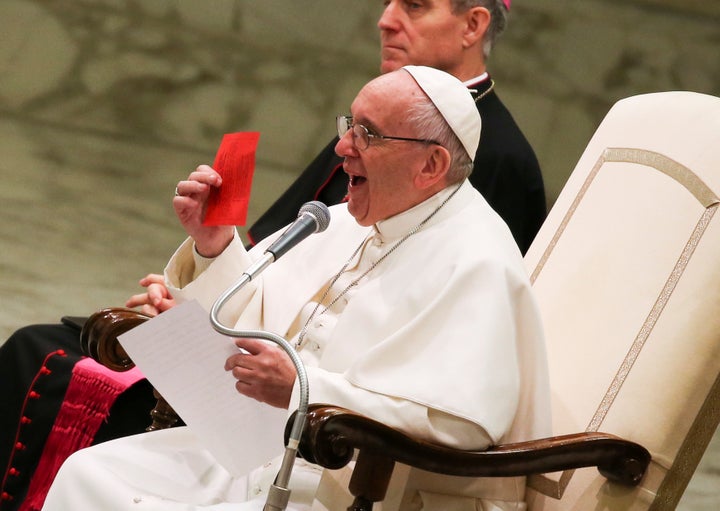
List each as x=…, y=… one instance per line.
x=163, y=416
x=370, y=480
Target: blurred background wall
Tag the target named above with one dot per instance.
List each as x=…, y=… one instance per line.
x=106, y=104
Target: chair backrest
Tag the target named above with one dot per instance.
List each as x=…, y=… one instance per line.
x=627, y=272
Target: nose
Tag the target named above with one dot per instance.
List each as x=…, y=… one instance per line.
x=345, y=146
x=388, y=19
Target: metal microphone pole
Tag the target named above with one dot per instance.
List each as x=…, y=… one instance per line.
x=313, y=217
x=279, y=494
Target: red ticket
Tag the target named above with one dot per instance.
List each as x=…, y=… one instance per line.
x=235, y=162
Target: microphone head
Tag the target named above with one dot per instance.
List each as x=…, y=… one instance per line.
x=319, y=212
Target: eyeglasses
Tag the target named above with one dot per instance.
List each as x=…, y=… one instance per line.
x=361, y=135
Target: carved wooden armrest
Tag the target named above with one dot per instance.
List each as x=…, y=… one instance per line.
x=331, y=435
x=99, y=340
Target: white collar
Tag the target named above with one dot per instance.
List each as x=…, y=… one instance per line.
x=476, y=80
x=398, y=225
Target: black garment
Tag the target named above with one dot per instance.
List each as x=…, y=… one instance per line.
x=36, y=364
x=506, y=172
x=323, y=180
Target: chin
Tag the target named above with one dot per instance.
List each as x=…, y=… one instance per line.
x=387, y=66
x=360, y=218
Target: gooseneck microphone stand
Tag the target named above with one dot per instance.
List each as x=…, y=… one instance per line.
x=313, y=217
x=279, y=494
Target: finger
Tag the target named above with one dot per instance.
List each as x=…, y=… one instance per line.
x=150, y=310
x=156, y=293
x=136, y=300
x=165, y=304
x=243, y=375
x=252, y=346
x=245, y=389
x=238, y=360
x=199, y=181
x=190, y=188
x=152, y=278
x=206, y=174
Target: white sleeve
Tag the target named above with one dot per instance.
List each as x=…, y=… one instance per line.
x=190, y=276
x=412, y=418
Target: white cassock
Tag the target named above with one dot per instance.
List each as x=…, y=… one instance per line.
x=441, y=338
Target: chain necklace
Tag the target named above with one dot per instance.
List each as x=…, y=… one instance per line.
x=414, y=230
x=488, y=91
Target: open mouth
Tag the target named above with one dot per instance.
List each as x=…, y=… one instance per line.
x=357, y=180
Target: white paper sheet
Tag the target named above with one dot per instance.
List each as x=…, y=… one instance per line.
x=183, y=357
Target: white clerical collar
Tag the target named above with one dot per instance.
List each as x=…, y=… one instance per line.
x=476, y=80
x=400, y=224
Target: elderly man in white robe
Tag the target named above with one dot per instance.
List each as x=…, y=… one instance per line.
x=413, y=308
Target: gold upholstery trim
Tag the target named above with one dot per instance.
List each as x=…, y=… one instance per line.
x=668, y=166
x=546, y=486
x=651, y=319
x=683, y=175
x=709, y=201
x=690, y=452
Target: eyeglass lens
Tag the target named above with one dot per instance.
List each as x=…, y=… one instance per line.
x=360, y=134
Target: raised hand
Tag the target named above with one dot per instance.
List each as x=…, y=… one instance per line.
x=190, y=203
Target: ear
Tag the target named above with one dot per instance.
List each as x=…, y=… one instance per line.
x=435, y=170
x=477, y=21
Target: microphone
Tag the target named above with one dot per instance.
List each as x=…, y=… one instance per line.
x=314, y=216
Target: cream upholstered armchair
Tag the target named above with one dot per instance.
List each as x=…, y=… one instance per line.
x=627, y=273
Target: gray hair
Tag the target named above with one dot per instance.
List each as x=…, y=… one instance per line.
x=431, y=125
x=498, y=18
